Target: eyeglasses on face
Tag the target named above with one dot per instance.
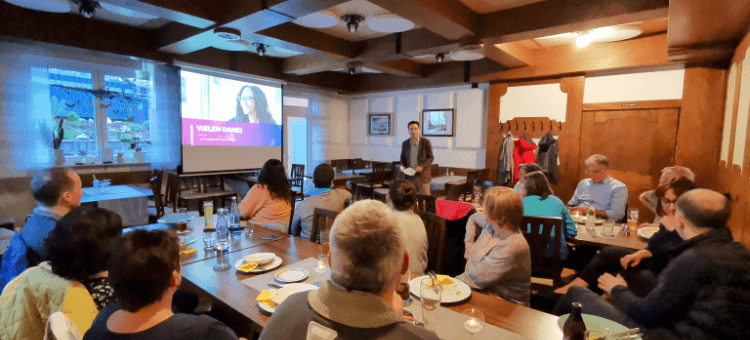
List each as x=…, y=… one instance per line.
x=666, y=202
x=247, y=98
x=594, y=172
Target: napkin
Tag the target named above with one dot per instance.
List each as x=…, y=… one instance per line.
x=265, y=297
x=408, y=171
x=188, y=251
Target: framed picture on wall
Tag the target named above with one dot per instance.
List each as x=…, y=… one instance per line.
x=438, y=123
x=380, y=124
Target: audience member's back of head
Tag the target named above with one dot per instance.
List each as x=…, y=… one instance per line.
x=81, y=243
x=503, y=206
x=48, y=185
x=366, y=247
x=705, y=208
x=272, y=176
x=529, y=167
x=323, y=176
x=403, y=195
x=141, y=270
x=536, y=184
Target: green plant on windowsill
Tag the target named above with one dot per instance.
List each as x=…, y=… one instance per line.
x=57, y=135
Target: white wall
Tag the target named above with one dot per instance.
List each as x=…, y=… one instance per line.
x=658, y=85
x=465, y=149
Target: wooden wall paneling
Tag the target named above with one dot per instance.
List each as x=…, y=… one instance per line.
x=636, y=105
x=494, y=136
x=569, y=142
x=701, y=123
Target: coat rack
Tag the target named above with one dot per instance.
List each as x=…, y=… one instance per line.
x=535, y=127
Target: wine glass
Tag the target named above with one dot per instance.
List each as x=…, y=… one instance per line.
x=474, y=321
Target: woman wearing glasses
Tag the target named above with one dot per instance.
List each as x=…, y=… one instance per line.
x=252, y=106
x=632, y=265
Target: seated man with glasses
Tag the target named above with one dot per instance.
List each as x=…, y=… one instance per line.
x=610, y=196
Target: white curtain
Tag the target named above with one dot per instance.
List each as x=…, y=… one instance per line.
x=26, y=123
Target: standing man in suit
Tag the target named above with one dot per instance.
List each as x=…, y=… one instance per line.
x=416, y=153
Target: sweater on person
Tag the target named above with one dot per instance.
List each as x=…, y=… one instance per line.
x=261, y=208
x=35, y=231
x=701, y=294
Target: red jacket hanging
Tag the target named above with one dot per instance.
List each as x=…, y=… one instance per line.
x=523, y=152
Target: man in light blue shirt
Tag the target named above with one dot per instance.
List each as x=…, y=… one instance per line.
x=610, y=196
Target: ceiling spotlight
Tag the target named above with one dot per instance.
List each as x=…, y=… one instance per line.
x=87, y=8
x=352, y=21
x=440, y=57
x=227, y=33
x=260, y=48
x=352, y=70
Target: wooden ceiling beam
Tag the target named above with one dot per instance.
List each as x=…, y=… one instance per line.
x=195, y=13
x=703, y=31
x=307, y=64
x=567, y=60
x=312, y=39
x=66, y=29
x=554, y=17
x=511, y=56
x=403, y=68
x=448, y=18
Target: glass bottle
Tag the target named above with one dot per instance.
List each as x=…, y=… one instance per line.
x=574, y=328
x=591, y=218
x=234, y=217
x=222, y=230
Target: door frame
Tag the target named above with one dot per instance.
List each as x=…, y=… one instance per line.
x=288, y=140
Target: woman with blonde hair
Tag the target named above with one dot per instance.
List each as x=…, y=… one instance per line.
x=499, y=260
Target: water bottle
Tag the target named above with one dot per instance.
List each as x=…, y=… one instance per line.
x=96, y=183
x=591, y=219
x=222, y=231
x=234, y=217
x=574, y=328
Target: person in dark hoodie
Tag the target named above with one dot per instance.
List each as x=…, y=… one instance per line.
x=701, y=294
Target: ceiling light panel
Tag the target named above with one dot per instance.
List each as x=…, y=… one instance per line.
x=322, y=19
x=52, y=6
x=389, y=23
x=126, y=12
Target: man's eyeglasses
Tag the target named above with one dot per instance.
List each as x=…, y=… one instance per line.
x=593, y=172
x=665, y=202
x=247, y=98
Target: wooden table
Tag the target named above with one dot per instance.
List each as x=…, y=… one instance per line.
x=129, y=201
x=238, y=300
x=237, y=242
x=633, y=241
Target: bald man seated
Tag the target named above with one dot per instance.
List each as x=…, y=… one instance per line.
x=702, y=290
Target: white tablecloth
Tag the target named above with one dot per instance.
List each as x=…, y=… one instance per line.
x=130, y=202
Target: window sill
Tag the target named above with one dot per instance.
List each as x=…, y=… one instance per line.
x=114, y=167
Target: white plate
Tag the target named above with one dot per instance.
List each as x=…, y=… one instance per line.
x=278, y=296
x=647, y=232
x=456, y=292
x=172, y=218
x=582, y=220
x=291, y=275
x=190, y=240
x=260, y=269
x=261, y=258
x=268, y=308
x=596, y=323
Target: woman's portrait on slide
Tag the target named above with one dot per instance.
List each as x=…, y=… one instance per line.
x=252, y=106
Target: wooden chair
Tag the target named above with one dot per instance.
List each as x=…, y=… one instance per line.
x=297, y=178
x=546, y=274
x=321, y=217
x=342, y=164
x=362, y=192
x=158, y=210
x=424, y=202
x=292, y=202
x=214, y=185
x=435, y=227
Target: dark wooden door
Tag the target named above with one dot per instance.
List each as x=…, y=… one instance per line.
x=638, y=143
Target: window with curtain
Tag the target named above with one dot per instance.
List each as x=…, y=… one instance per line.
x=104, y=101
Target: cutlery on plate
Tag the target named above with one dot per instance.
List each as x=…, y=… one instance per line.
x=273, y=285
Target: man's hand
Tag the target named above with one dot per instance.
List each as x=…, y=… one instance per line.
x=419, y=169
x=634, y=259
x=607, y=282
x=580, y=209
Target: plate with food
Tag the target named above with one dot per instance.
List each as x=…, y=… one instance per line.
x=647, y=232
x=454, y=290
x=258, y=263
x=597, y=324
x=186, y=241
x=280, y=295
x=581, y=219
x=173, y=223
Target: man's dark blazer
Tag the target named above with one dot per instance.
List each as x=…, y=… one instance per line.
x=424, y=158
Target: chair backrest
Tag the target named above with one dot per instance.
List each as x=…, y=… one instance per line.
x=468, y=187
x=358, y=163
x=342, y=164
x=396, y=174
x=173, y=191
x=321, y=217
x=378, y=173
x=424, y=202
x=292, y=202
x=362, y=192
x=156, y=191
x=537, y=230
x=297, y=175
x=435, y=227
x=213, y=183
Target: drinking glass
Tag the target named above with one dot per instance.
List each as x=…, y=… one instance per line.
x=633, y=218
x=474, y=321
x=209, y=241
x=208, y=211
x=221, y=260
x=181, y=219
x=249, y=228
x=430, y=293
x=321, y=268
x=608, y=228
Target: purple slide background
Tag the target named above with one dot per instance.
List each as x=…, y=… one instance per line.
x=252, y=134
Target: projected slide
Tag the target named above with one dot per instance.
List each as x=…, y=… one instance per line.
x=226, y=112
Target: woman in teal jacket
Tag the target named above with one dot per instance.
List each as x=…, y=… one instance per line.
x=539, y=200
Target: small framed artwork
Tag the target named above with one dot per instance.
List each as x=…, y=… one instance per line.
x=438, y=123
x=380, y=124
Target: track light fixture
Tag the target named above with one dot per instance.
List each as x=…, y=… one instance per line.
x=87, y=8
x=260, y=48
x=440, y=57
x=352, y=21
